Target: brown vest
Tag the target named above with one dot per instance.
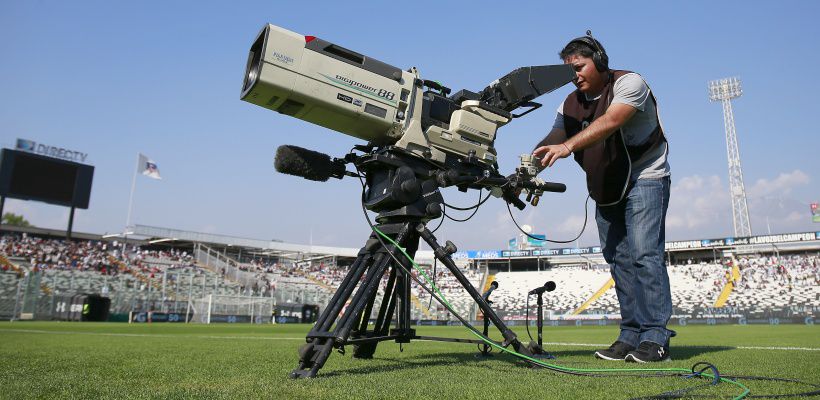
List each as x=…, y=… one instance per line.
x=608, y=163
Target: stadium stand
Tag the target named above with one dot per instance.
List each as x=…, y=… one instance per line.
x=574, y=285
x=774, y=283
x=167, y=279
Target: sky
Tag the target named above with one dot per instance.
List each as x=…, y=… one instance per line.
x=114, y=79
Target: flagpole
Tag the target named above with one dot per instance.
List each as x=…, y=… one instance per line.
x=130, y=205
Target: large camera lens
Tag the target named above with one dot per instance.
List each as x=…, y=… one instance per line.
x=254, y=61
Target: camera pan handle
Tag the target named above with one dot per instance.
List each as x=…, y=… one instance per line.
x=436, y=86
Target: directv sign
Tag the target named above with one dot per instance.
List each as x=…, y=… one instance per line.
x=50, y=151
x=680, y=245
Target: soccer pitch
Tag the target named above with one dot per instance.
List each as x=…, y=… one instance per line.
x=115, y=360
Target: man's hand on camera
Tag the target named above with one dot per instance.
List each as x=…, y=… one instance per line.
x=511, y=178
x=550, y=154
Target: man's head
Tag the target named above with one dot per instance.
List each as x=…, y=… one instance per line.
x=581, y=54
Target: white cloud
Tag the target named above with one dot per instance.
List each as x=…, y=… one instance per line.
x=782, y=185
x=700, y=207
x=697, y=202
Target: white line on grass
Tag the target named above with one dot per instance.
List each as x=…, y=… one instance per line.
x=568, y=344
x=151, y=335
x=736, y=347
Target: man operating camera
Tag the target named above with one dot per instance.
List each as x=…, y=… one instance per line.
x=611, y=127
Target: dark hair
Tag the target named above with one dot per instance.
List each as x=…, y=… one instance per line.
x=573, y=48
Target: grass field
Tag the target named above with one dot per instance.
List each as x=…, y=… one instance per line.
x=111, y=360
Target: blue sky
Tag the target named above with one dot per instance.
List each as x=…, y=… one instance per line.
x=163, y=78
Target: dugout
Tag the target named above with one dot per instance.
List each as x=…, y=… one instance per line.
x=81, y=307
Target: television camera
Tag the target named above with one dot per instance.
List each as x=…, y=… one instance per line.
x=420, y=138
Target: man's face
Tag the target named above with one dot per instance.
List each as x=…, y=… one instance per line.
x=589, y=80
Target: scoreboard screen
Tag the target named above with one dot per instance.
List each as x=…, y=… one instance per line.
x=29, y=176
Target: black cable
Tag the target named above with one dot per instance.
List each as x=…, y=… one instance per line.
x=416, y=279
x=480, y=202
x=574, y=373
x=474, y=208
x=468, y=325
x=815, y=392
x=583, y=228
x=677, y=394
x=461, y=319
x=441, y=222
x=527, y=318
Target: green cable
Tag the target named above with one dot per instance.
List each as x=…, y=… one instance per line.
x=746, y=390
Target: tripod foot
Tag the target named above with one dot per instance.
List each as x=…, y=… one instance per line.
x=312, y=357
x=299, y=373
x=364, y=351
x=539, y=352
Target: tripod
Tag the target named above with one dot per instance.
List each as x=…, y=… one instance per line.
x=404, y=191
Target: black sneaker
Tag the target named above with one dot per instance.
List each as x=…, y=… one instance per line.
x=649, y=352
x=616, y=352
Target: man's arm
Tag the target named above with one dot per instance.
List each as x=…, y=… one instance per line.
x=555, y=137
x=615, y=117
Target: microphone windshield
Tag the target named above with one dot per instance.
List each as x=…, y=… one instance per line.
x=550, y=286
x=308, y=164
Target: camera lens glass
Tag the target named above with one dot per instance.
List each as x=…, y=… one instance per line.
x=252, y=74
x=254, y=62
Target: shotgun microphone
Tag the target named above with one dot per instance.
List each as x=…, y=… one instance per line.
x=308, y=164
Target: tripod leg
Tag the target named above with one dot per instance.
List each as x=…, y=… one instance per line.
x=372, y=261
x=366, y=350
x=442, y=255
x=320, y=342
x=334, y=307
x=403, y=286
x=405, y=237
x=388, y=304
x=372, y=278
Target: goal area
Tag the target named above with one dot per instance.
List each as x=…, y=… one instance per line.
x=232, y=309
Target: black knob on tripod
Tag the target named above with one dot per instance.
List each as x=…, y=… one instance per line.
x=450, y=248
x=433, y=210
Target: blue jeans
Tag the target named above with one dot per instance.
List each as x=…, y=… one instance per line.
x=632, y=240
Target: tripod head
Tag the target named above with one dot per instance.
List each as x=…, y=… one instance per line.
x=400, y=184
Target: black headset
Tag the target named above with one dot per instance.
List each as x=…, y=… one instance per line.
x=599, y=56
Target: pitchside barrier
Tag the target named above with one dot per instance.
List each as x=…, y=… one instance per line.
x=615, y=322
x=152, y=316
x=294, y=313
x=81, y=307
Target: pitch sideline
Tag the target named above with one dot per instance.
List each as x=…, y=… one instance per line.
x=567, y=344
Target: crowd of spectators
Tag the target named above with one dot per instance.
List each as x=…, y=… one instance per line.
x=784, y=272
x=779, y=274
x=89, y=255
x=59, y=254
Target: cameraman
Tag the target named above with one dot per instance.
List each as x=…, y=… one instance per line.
x=610, y=125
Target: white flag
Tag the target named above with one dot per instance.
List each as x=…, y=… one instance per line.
x=148, y=167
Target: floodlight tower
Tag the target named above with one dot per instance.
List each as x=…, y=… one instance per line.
x=725, y=90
